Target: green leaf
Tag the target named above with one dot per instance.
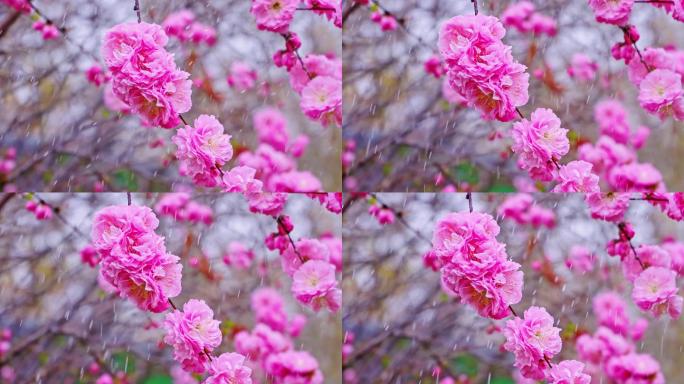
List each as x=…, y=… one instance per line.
x=502, y=380
x=158, y=379
x=385, y=361
x=466, y=364
x=502, y=187
x=468, y=173
x=386, y=169
x=125, y=179
x=123, y=361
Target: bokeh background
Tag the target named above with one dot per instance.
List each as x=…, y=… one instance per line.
x=62, y=321
x=406, y=132
x=67, y=140
x=405, y=324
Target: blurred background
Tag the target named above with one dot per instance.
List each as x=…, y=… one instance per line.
x=62, y=321
x=67, y=139
x=405, y=131
x=404, y=325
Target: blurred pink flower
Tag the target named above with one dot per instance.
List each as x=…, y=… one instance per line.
x=655, y=291
x=229, y=368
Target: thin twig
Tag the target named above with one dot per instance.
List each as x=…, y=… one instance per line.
x=469, y=196
x=474, y=6
x=136, y=8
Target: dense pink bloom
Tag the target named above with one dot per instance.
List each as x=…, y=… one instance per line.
x=178, y=23
x=203, y=149
x=582, y=67
x=532, y=340
x=314, y=284
x=229, y=368
x=608, y=206
x=261, y=342
x=242, y=77
x=269, y=308
x=577, y=176
x=294, y=181
x=201, y=33
x=655, y=291
x=522, y=209
x=267, y=203
x=144, y=75
x=475, y=265
x=612, y=11
x=192, y=333
x=660, y=93
x=238, y=255
x=113, y=102
x=611, y=312
x=518, y=15
x=481, y=67
x=634, y=368
x=241, y=179
x=96, y=75
x=89, y=255
x=172, y=204
x=199, y=213
x=540, y=143
x=134, y=259
x=611, y=117
x=322, y=100
x=635, y=177
x=274, y=15
x=293, y=367
x=19, y=5
x=568, y=372
x=580, y=259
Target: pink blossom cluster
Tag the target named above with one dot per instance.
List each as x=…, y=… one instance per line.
x=522, y=209
x=481, y=68
x=625, y=50
x=19, y=5
x=134, y=260
x=319, y=84
x=382, y=214
x=97, y=76
x=41, y=210
x=524, y=17
x=674, y=8
x=534, y=341
x=47, y=29
x=611, y=349
x=274, y=15
x=582, y=68
x=182, y=25
x=612, y=11
x=144, y=74
x=229, y=368
x=332, y=201
x=238, y=255
x=433, y=65
x=242, y=76
x=180, y=207
x=474, y=265
x=270, y=345
x=386, y=21
x=193, y=333
x=203, y=149
x=330, y=9
x=580, y=259
x=89, y=256
x=8, y=161
x=5, y=341
x=273, y=160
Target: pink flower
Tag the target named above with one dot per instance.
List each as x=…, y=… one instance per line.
x=134, y=258
x=582, y=67
x=576, y=176
x=475, y=265
x=241, y=179
x=676, y=251
x=89, y=256
x=269, y=308
x=180, y=376
x=608, y=206
x=178, y=23
x=144, y=75
x=193, y=333
x=655, y=291
x=316, y=65
x=307, y=249
x=542, y=24
x=96, y=75
x=580, y=259
x=330, y=9
x=660, y=93
x=382, y=214
x=262, y=342
x=203, y=149
x=611, y=117
x=612, y=11
x=43, y=212
x=274, y=15
x=200, y=33
x=238, y=256
x=229, y=368
x=314, y=284
x=19, y=5
x=589, y=349
x=517, y=15
x=113, y=102
x=242, y=77
x=521, y=208
x=481, y=68
x=322, y=100
x=48, y=29
x=173, y=204
x=266, y=203
x=650, y=256
x=293, y=367
x=540, y=143
x=611, y=312
x=635, y=177
x=532, y=340
x=294, y=181
x=568, y=372
x=634, y=368
x=433, y=66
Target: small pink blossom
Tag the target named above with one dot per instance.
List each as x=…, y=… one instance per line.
x=96, y=75
x=192, y=333
x=612, y=11
x=89, y=255
x=568, y=372
x=274, y=15
x=580, y=259
x=635, y=177
x=241, y=179
x=293, y=367
x=655, y=291
x=608, y=206
x=582, y=68
x=19, y=5
x=238, y=255
x=660, y=93
x=242, y=76
x=382, y=214
x=322, y=100
x=433, y=66
x=314, y=284
x=267, y=203
x=634, y=368
x=540, y=143
x=611, y=117
x=576, y=176
x=229, y=368
x=611, y=311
